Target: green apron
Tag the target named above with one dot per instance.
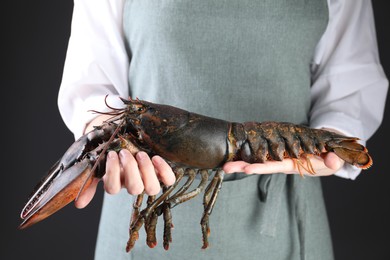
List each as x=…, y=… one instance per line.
x=238, y=60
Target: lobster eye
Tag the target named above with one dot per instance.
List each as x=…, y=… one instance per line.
x=138, y=108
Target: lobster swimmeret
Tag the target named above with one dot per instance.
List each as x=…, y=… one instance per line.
x=192, y=144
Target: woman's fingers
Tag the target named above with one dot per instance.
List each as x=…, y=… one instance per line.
x=136, y=174
x=232, y=167
x=132, y=180
x=148, y=174
x=267, y=167
x=332, y=161
x=112, y=178
x=164, y=171
x=327, y=164
x=286, y=166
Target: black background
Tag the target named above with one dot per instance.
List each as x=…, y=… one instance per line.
x=33, y=136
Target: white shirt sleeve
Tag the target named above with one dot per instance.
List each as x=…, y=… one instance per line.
x=349, y=86
x=96, y=63
x=348, y=91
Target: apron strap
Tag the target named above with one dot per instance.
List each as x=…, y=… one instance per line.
x=271, y=189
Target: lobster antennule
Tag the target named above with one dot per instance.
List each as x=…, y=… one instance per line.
x=61, y=189
x=352, y=152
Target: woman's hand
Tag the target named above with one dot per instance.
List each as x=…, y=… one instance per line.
x=123, y=170
x=324, y=165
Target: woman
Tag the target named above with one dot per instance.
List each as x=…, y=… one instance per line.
x=305, y=62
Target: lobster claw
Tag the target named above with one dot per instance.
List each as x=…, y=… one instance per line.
x=55, y=192
x=71, y=174
x=61, y=185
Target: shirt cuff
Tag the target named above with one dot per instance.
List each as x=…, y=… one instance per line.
x=349, y=127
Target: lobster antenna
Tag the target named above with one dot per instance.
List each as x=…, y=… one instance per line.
x=105, y=148
x=115, y=112
x=110, y=107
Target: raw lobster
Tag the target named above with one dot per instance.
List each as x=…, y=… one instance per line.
x=192, y=144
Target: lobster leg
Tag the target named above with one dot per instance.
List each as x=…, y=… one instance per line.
x=209, y=205
x=191, y=173
x=173, y=200
x=206, y=200
x=190, y=195
x=150, y=225
x=178, y=198
x=167, y=237
x=136, y=205
x=144, y=214
x=165, y=208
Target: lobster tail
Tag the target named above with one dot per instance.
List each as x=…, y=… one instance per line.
x=350, y=151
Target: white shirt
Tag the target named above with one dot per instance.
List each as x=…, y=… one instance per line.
x=348, y=91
